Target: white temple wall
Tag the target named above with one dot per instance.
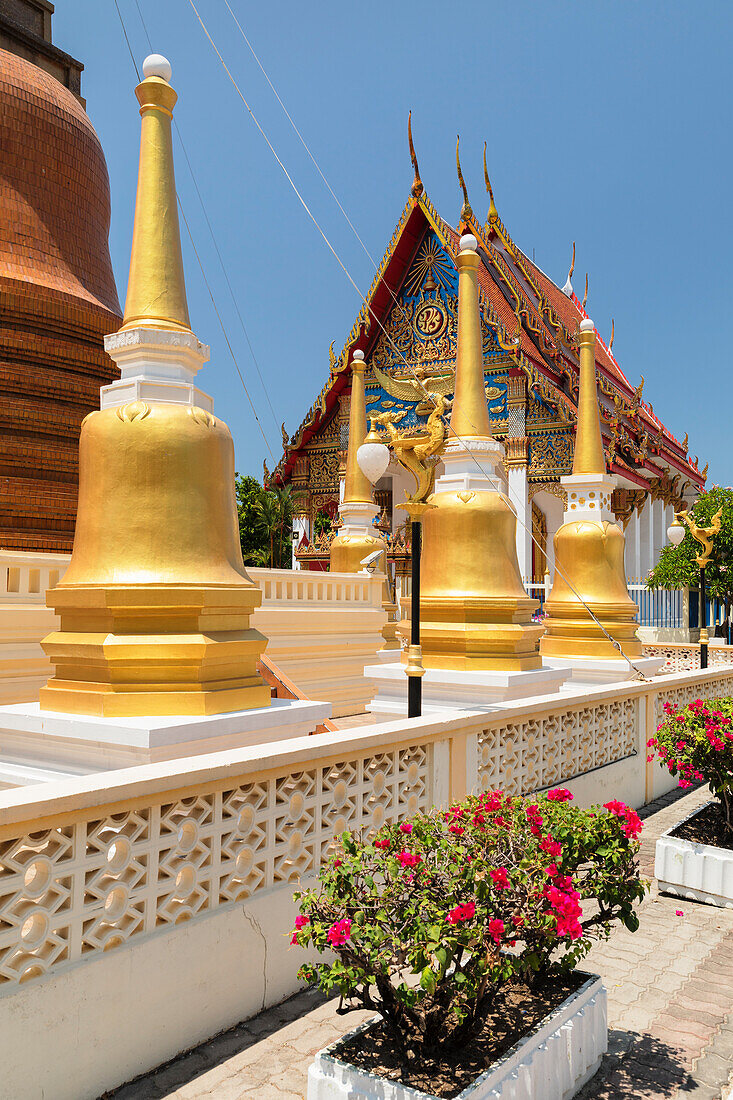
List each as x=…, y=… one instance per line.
x=179, y=876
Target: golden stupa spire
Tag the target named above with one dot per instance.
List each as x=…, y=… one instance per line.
x=470, y=416
x=493, y=212
x=156, y=290
x=357, y=486
x=417, y=185
x=588, y=457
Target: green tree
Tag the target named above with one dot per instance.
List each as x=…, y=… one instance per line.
x=265, y=523
x=677, y=567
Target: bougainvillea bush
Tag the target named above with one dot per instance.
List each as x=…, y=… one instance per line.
x=424, y=921
x=696, y=743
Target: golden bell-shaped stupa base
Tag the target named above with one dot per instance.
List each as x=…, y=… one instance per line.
x=155, y=606
x=474, y=611
x=589, y=556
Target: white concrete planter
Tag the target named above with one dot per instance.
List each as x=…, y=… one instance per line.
x=552, y=1063
x=697, y=871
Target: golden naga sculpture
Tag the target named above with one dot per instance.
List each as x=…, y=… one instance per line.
x=417, y=454
x=590, y=579
x=155, y=605
x=703, y=535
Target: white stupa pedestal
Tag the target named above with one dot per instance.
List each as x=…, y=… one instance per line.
x=55, y=745
x=450, y=689
x=588, y=672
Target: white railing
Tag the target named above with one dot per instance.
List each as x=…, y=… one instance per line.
x=25, y=578
x=683, y=657
x=295, y=586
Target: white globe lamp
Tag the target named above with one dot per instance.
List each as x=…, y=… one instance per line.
x=676, y=532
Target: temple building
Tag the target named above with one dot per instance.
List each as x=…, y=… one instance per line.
x=58, y=291
x=407, y=329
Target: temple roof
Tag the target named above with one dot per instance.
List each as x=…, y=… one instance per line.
x=536, y=323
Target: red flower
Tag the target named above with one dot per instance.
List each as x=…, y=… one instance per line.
x=462, y=913
x=496, y=930
x=551, y=870
x=559, y=794
x=458, y=830
x=405, y=827
x=551, y=846
x=500, y=878
x=408, y=859
x=339, y=932
x=383, y=844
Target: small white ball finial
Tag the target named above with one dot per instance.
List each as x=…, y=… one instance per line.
x=157, y=65
x=587, y=325
x=468, y=243
x=358, y=354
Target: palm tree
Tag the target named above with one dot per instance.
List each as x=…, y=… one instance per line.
x=275, y=514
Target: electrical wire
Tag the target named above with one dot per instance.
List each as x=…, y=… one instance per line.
x=196, y=253
x=300, y=136
x=214, y=240
x=409, y=367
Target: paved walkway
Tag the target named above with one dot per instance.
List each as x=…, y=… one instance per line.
x=670, y=1012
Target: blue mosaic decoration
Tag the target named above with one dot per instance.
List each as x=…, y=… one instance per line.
x=419, y=338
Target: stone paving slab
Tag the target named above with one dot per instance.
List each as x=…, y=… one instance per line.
x=670, y=1012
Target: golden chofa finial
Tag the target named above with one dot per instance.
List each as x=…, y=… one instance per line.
x=466, y=211
x=684, y=441
x=156, y=290
x=568, y=288
x=493, y=212
x=417, y=185
x=613, y=333
x=585, y=296
x=588, y=457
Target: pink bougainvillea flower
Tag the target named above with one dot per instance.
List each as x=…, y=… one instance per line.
x=496, y=930
x=551, y=870
x=339, y=932
x=457, y=830
x=678, y=913
x=559, y=794
x=383, y=844
x=500, y=878
x=462, y=913
x=517, y=921
x=409, y=859
x=405, y=827
x=300, y=922
x=551, y=846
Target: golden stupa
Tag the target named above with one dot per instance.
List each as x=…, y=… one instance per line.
x=156, y=603
x=589, y=547
x=475, y=613
x=357, y=537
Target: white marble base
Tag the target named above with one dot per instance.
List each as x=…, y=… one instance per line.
x=37, y=745
x=553, y=1062
x=450, y=689
x=589, y=672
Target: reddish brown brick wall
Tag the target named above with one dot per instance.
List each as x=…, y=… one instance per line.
x=57, y=300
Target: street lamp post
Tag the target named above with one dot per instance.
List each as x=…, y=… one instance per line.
x=373, y=458
x=703, y=535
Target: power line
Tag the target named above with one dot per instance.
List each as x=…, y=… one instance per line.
x=198, y=258
x=214, y=241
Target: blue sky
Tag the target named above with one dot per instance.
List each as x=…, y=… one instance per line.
x=607, y=124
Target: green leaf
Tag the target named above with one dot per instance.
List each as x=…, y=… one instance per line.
x=428, y=980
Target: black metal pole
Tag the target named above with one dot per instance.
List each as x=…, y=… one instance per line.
x=704, y=621
x=414, y=683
